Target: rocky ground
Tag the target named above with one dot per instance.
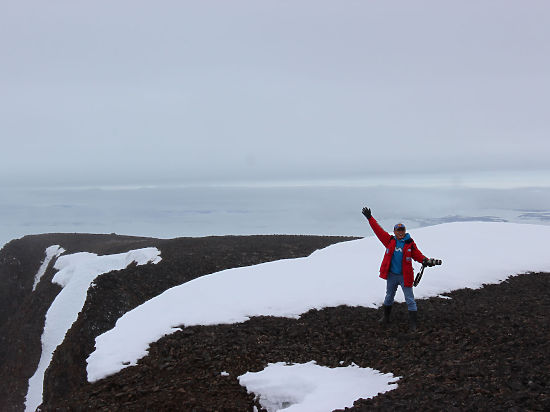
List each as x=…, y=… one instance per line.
x=22, y=311
x=480, y=350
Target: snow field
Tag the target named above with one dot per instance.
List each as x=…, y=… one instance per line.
x=473, y=254
x=346, y=273
x=309, y=387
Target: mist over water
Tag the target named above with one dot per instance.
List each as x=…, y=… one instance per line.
x=168, y=212
x=196, y=92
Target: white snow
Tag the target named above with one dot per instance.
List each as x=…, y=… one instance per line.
x=473, y=253
x=310, y=387
x=75, y=274
x=51, y=252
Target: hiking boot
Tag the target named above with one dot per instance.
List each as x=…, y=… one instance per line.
x=386, y=318
x=412, y=320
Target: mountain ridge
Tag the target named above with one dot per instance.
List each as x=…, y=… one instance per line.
x=23, y=311
x=482, y=348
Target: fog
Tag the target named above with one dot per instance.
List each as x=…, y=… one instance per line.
x=204, y=211
x=184, y=118
x=136, y=92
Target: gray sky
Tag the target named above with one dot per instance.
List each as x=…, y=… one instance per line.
x=145, y=92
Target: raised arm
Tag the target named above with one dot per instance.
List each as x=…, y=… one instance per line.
x=380, y=233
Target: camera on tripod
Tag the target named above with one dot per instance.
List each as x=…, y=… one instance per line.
x=427, y=262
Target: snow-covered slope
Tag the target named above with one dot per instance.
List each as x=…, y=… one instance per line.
x=51, y=253
x=75, y=274
x=345, y=273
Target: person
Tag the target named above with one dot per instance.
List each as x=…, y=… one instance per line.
x=397, y=267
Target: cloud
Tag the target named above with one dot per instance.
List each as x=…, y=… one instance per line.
x=188, y=90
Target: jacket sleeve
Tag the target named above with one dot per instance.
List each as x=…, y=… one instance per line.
x=416, y=254
x=380, y=233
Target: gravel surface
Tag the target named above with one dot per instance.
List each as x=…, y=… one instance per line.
x=22, y=311
x=482, y=349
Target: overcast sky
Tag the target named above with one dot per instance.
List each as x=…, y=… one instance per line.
x=143, y=91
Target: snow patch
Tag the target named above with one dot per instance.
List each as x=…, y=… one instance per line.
x=310, y=387
x=75, y=274
x=342, y=274
x=51, y=252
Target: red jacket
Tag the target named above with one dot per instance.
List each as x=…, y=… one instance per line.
x=410, y=251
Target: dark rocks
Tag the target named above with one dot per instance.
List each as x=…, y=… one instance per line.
x=455, y=361
x=22, y=311
x=483, y=349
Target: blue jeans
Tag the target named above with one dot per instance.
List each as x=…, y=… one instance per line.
x=393, y=281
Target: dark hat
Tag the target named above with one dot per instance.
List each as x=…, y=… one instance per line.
x=399, y=226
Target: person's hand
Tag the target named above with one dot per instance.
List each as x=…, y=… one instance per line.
x=426, y=262
x=366, y=212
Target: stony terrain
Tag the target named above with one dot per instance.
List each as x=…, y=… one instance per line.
x=482, y=349
x=22, y=311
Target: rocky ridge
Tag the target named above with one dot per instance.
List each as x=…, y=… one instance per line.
x=481, y=349
x=22, y=311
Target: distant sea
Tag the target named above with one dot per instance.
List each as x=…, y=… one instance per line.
x=320, y=209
